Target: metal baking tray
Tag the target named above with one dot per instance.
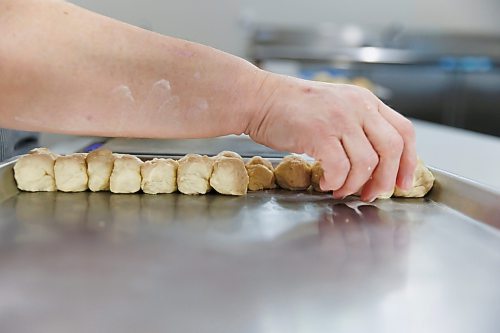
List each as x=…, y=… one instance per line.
x=270, y=261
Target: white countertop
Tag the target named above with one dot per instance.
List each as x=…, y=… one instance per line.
x=465, y=153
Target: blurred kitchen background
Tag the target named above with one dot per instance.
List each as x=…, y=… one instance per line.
x=436, y=60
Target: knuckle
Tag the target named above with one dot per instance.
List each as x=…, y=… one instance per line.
x=342, y=166
x=366, y=161
x=372, y=161
x=361, y=93
x=407, y=128
x=395, y=145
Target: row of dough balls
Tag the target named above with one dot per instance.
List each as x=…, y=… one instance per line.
x=101, y=170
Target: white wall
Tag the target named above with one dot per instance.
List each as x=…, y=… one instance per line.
x=216, y=22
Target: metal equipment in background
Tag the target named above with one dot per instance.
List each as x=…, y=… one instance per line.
x=451, y=79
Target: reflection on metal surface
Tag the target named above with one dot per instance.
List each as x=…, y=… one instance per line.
x=179, y=252
x=257, y=216
x=271, y=261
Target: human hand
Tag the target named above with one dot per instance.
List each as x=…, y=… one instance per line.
x=362, y=144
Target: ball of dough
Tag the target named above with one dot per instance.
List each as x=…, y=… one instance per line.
x=34, y=172
x=99, y=167
x=317, y=173
x=227, y=153
x=257, y=160
x=71, y=173
x=159, y=176
x=293, y=173
x=423, y=180
x=194, y=173
x=261, y=174
x=126, y=174
x=229, y=176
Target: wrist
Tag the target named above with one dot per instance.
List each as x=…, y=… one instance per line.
x=247, y=94
x=261, y=98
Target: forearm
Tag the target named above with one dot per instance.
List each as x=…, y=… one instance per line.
x=64, y=69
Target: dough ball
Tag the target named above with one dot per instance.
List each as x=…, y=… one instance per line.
x=257, y=160
x=194, y=173
x=227, y=153
x=316, y=175
x=71, y=173
x=229, y=176
x=159, y=176
x=99, y=167
x=34, y=172
x=261, y=174
x=423, y=180
x=126, y=174
x=44, y=151
x=293, y=173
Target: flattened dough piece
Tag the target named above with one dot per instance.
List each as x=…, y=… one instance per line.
x=126, y=174
x=261, y=174
x=71, y=173
x=193, y=174
x=293, y=173
x=316, y=174
x=34, y=172
x=229, y=176
x=99, y=167
x=423, y=180
x=159, y=176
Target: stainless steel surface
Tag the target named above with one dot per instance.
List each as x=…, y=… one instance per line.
x=368, y=45
x=178, y=148
x=270, y=261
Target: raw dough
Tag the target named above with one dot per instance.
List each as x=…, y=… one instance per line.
x=159, y=176
x=227, y=153
x=99, y=167
x=261, y=174
x=194, y=173
x=422, y=183
x=423, y=180
x=316, y=174
x=293, y=173
x=34, y=172
x=126, y=174
x=71, y=173
x=229, y=176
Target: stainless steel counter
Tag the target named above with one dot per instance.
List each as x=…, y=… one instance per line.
x=272, y=261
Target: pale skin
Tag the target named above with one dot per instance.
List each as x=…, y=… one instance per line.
x=64, y=69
